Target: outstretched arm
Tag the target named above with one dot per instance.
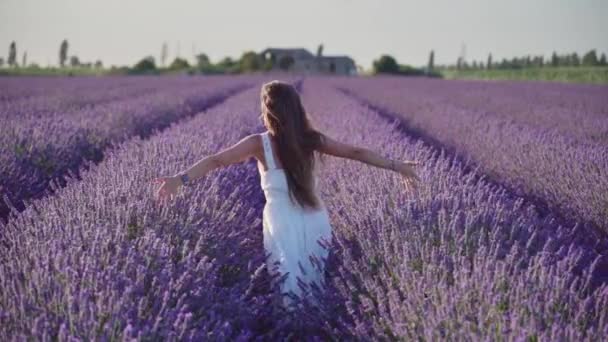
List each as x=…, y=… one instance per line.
x=236, y=153
x=342, y=150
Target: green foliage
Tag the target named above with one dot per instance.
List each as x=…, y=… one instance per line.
x=250, y=62
x=211, y=69
x=44, y=163
x=228, y=65
x=407, y=70
x=74, y=61
x=431, y=64
x=12, y=54
x=503, y=305
x=63, y=52
x=145, y=66
x=529, y=61
x=386, y=64
x=204, y=65
x=416, y=264
x=202, y=61
x=532, y=338
x=164, y=52
x=554, y=60
x=590, y=58
x=267, y=64
x=36, y=70
x=179, y=64
x=133, y=228
x=580, y=74
x=575, y=60
x=228, y=275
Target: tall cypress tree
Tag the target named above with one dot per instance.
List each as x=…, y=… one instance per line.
x=12, y=54
x=554, y=59
x=63, y=53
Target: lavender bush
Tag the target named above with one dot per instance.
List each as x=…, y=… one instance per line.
x=463, y=260
x=122, y=266
x=546, y=142
x=576, y=110
x=41, y=96
x=41, y=140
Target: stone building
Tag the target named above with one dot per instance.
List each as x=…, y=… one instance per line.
x=301, y=61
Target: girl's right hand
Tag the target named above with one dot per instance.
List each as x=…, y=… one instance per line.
x=169, y=187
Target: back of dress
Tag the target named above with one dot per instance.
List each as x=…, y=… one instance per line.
x=290, y=231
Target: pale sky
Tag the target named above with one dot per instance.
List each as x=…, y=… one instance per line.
x=120, y=32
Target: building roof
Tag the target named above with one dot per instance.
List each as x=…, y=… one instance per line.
x=296, y=52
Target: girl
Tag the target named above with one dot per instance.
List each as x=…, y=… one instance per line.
x=294, y=217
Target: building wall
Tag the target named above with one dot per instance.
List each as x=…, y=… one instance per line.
x=325, y=65
x=340, y=66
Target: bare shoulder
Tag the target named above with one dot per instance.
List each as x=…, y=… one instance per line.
x=325, y=142
x=249, y=144
x=255, y=138
x=254, y=144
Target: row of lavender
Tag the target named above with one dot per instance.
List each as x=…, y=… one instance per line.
x=23, y=88
x=53, y=96
x=462, y=260
x=576, y=110
x=101, y=259
x=546, y=142
x=43, y=137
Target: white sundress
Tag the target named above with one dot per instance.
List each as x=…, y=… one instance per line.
x=290, y=231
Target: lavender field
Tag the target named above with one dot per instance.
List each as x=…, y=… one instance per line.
x=543, y=141
x=506, y=239
x=55, y=127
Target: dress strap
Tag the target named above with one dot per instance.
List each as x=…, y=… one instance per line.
x=268, y=151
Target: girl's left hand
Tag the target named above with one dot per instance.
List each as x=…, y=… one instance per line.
x=407, y=171
x=168, y=188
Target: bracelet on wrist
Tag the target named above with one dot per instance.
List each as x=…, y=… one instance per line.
x=184, y=178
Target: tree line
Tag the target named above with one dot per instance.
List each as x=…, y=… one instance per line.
x=387, y=64
x=590, y=59
x=64, y=58
x=249, y=61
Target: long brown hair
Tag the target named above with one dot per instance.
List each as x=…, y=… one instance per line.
x=286, y=120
